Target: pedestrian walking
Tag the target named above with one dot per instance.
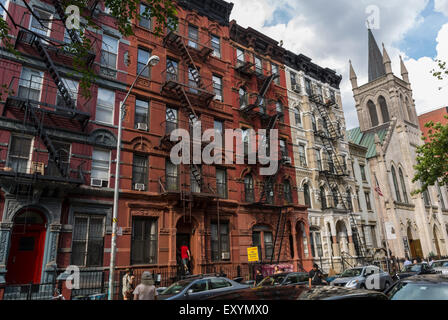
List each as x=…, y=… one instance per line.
x=186, y=257
x=128, y=285
x=407, y=262
x=258, y=276
x=316, y=277
x=146, y=289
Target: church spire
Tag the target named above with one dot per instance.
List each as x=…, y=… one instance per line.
x=404, y=71
x=386, y=61
x=376, y=66
x=353, y=77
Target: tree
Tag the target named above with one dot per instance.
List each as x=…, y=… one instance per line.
x=162, y=12
x=432, y=157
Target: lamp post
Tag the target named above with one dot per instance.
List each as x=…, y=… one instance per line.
x=152, y=61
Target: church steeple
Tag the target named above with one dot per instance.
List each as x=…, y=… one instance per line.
x=376, y=66
x=404, y=71
x=353, y=77
x=386, y=61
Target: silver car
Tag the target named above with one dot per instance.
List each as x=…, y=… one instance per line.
x=440, y=266
x=367, y=277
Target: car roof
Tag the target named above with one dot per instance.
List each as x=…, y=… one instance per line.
x=428, y=278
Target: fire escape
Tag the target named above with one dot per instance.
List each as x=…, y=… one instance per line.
x=188, y=94
x=38, y=113
x=332, y=170
x=258, y=110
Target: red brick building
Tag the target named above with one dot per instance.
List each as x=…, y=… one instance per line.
x=434, y=116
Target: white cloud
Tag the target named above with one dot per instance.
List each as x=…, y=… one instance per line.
x=441, y=6
x=332, y=32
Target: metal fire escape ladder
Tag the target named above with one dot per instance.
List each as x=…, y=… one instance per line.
x=334, y=178
x=263, y=90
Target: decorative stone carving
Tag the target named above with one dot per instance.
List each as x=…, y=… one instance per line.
x=104, y=138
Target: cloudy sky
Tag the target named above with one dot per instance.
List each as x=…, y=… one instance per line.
x=333, y=31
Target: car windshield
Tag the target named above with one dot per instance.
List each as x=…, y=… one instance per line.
x=419, y=291
x=355, y=272
x=274, y=280
x=438, y=264
x=412, y=268
x=176, y=287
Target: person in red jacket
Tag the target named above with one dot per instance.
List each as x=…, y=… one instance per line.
x=185, y=256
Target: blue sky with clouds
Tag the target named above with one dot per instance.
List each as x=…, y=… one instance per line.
x=333, y=31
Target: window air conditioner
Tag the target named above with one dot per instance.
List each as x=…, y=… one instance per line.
x=287, y=160
x=225, y=255
x=142, y=126
x=140, y=187
x=99, y=183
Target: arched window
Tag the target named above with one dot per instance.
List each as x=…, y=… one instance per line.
x=323, y=199
x=409, y=110
x=249, y=188
x=297, y=116
x=403, y=186
x=243, y=97
x=287, y=191
x=372, y=111
x=306, y=195
x=383, y=107
x=397, y=189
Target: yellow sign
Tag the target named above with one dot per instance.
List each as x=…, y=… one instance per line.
x=252, y=254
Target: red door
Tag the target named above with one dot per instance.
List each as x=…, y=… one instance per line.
x=26, y=254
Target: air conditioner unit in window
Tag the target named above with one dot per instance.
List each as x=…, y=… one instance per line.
x=287, y=160
x=99, y=183
x=37, y=167
x=142, y=126
x=296, y=88
x=218, y=98
x=140, y=186
x=225, y=255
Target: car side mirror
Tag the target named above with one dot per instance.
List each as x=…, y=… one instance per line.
x=189, y=291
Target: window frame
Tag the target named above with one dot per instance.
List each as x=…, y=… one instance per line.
x=148, y=240
x=105, y=49
x=30, y=152
x=216, y=46
x=224, y=238
x=218, y=88
x=222, y=184
x=141, y=65
x=142, y=18
x=145, y=170
x=104, y=107
x=99, y=170
x=86, y=250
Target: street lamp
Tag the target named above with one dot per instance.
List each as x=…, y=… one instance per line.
x=152, y=61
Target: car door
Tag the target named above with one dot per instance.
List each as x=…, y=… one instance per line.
x=198, y=290
x=218, y=286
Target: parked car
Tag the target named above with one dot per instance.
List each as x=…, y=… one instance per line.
x=200, y=287
x=282, y=279
x=301, y=292
x=415, y=269
x=440, y=266
x=361, y=278
x=420, y=287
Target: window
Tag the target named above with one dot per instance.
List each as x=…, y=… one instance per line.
x=349, y=199
x=30, y=84
x=258, y=65
x=256, y=242
x=249, y=188
x=193, y=79
x=335, y=193
x=140, y=170
x=368, y=203
x=171, y=120
x=243, y=98
x=363, y=173
x=216, y=283
x=313, y=122
x=171, y=176
x=287, y=191
x=219, y=131
x=109, y=52
x=240, y=55
x=88, y=241
x=323, y=198
x=195, y=185
x=293, y=78
x=171, y=69
x=268, y=244
x=144, y=240
x=221, y=182
x=442, y=201
x=308, y=86
x=297, y=117
x=63, y=152
x=332, y=96
x=283, y=148
x=100, y=165
x=143, y=57
x=397, y=190
x=193, y=36
x=426, y=198
x=41, y=26
x=19, y=154
x=403, y=186
x=145, y=19
x=316, y=244
x=245, y=138
x=105, y=106
x=216, y=46
x=217, y=88
x=302, y=156
x=220, y=245
x=383, y=107
x=279, y=109
x=269, y=189
x=318, y=160
x=306, y=195
x=274, y=68
x=141, y=113
x=373, y=115
x=72, y=87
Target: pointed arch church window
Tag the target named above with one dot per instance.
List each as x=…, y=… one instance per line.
x=383, y=107
x=372, y=112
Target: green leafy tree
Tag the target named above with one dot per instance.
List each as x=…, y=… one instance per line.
x=162, y=12
x=432, y=157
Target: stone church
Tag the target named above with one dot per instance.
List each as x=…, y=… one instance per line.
x=414, y=225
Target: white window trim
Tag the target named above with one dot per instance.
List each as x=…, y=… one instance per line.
x=50, y=23
x=30, y=154
x=110, y=163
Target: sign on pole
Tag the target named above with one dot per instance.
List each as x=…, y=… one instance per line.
x=252, y=254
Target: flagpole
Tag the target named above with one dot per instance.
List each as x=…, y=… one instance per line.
x=383, y=225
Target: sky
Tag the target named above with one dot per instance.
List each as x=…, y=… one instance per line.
x=332, y=32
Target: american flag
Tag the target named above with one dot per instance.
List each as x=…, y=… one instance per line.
x=377, y=188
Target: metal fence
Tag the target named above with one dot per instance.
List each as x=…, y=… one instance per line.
x=29, y=291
